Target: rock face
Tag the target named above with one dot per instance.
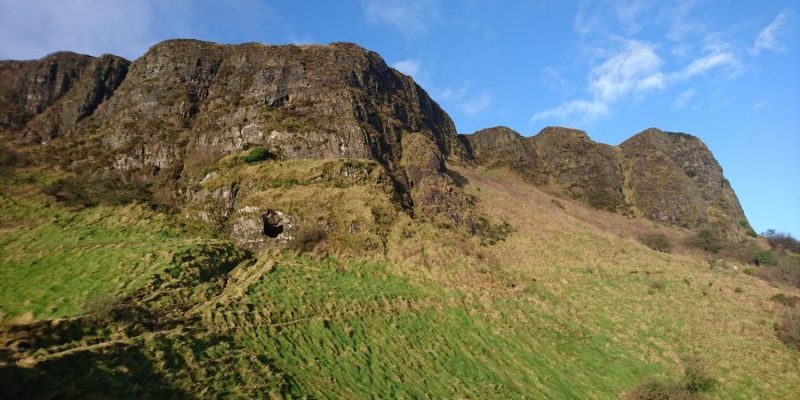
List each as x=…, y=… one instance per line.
x=564, y=160
x=163, y=119
x=674, y=178
x=46, y=97
x=667, y=177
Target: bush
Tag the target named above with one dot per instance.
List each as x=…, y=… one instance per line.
x=9, y=160
x=788, y=330
x=786, y=271
x=656, y=241
x=788, y=301
x=86, y=191
x=696, y=375
x=765, y=257
x=306, y=238
x=706, y=240
x=696, y=380
x=257, y=154
x=653, y=389
x=782, y=241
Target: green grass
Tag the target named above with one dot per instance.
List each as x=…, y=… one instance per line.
x=345, y=330
x=52, y=260
x=564, y=313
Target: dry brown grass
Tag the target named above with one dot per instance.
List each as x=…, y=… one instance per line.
x=591, y=264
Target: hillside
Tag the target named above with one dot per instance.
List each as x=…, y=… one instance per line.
x=250, y=221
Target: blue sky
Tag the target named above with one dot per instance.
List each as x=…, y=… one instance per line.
x=726, y=71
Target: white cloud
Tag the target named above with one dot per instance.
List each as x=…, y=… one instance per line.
x=680, y=24
x=760, y=104
x=634, y=69
x=706, y=63
x=34, y=28
x=684, y=98
x=476, y=104
x=580, y=110
x=769, y=37
x=601, y=16
x=409, y=66
x=449, y=93
x=411, y=17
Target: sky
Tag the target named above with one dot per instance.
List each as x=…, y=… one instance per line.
x=725, y=71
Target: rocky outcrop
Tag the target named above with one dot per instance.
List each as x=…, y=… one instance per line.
x=667, y=177
x=674, y=178
x=563, y=160
x=163, y=120
x=42, y=99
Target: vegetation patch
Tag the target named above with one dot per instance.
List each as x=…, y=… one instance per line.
x=696, y=380
x=706, y=240
x=257, y=154
x=656, y=241
x=765, y=257
x=788, y=329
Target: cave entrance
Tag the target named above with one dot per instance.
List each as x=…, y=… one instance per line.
x=272, y=222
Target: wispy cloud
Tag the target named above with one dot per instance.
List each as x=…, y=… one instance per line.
x=476, y=104
x=599, y=16
x=634, y=69
x=411, y=17
x=623, y=68
x=684, y=98
x=34, y=28
x=769, y=38
x=706, y=63
x=461, y=98
x=575, y=110
x=409, y=66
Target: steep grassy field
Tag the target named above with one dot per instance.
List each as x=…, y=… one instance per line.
x=568, y=305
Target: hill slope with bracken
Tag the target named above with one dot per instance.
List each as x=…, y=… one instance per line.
x=304, y=222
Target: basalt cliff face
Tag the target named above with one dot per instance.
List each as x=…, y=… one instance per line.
x=168, y=123
x=162, y=121
x=667, y=177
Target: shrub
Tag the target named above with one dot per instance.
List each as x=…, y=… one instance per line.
x=306, y=238
x=782, y=241
x=696, y=375
x=696, y=380
x=257, y=154
x=765, y=257
x=788, y=301
x=706, y=240
x=788, y=330
x=656, y=285
x=9, y=160
x=656, y=241
x=653, y=389
x=787, y=271
x=87, y=191
x=110, y=308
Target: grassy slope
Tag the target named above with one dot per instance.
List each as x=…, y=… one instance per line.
x=52, y=260
x=563, y=308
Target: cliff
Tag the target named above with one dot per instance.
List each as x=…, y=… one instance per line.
x=667, y=177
